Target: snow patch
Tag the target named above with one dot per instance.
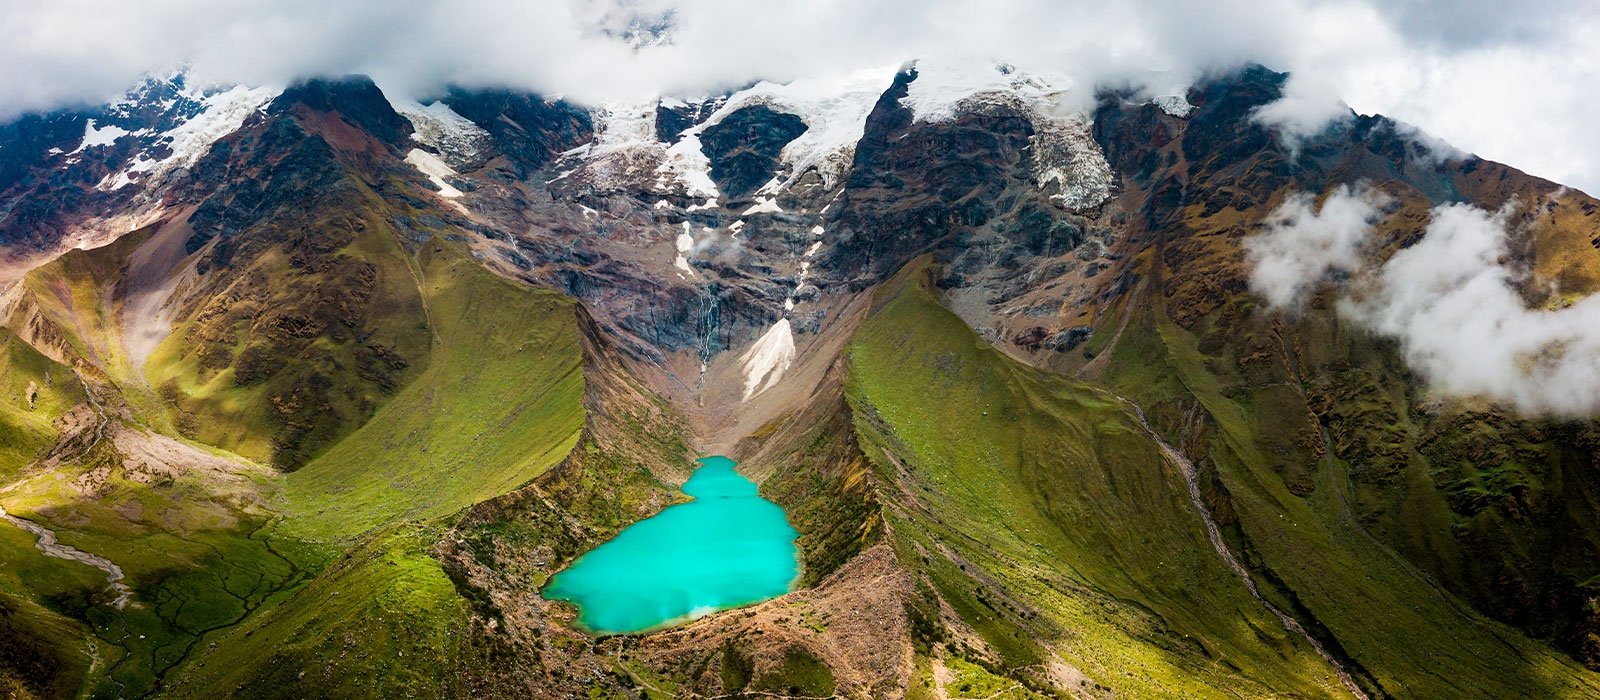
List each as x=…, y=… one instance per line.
x=624, y=126
x=763, y=205
x=221, y=114
x=835, y=114
x=1174, y=105
x=224, y=113
x=1065, y=152
x=766, y=361
x=624, y=151
x=945, y=89
x=688, y=165
x=101, y=136
x=436, y=170
x=685, y=243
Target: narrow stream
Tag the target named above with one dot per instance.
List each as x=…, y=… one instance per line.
x=53, y=548
x=1214, y=533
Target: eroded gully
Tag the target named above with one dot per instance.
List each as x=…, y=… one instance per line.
x=1214, y=533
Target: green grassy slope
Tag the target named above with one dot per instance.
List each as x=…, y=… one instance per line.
x=1408, y=635
x=498, y=403
x=76, y=308
x=495, y=400
x=815, y=470
x=34, y=391
x=74, y=292
x=390, y=618
x=46, y=653
x=189, y=546
x=382, y=622
x=299, y=340
x=1040, y=510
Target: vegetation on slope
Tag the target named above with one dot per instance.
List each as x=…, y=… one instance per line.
x=382, y=622
x=296, y=342
x=46, y=653
x=1483, y=506
x=34, y=392
x=498, y=403
x=187, y=540
x=1045, y=516
x=1289, y=505
x=822, y=480
x=494, y=401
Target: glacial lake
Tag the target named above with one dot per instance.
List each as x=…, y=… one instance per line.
x=726, y=548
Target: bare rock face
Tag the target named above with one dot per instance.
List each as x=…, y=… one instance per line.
x=743, y=148
x=59, y=171
x=527, y=129
x=672, y=118
x=356, y=100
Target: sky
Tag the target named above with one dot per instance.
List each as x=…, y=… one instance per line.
x=1507, y=81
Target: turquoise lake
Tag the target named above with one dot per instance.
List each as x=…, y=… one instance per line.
x=726, y=548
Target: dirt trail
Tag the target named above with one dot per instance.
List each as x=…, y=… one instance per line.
x=1214, y=534
x=53, y=548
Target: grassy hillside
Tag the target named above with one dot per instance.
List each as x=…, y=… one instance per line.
x=34, y=391
x=298, y=339
x=490, y=398
x=47, y=653
x=498, y=402
x=1292, y=511
x=74, y=292
x=188, y=543
x=442, y=603
x=1047, y=518
x=382, y=622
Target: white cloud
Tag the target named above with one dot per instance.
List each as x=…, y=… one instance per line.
x=1299, y=246
x=1310, y=103
x=1451, y=302
x=1509, y=82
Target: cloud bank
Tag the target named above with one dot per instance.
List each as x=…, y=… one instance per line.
x=1450, y=301
x=1507, y=82
x=1299, y=246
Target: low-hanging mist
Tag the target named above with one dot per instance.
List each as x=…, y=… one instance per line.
x=1450, y=300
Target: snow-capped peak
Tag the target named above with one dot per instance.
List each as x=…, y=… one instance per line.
x=944, y=88
x=835, y=114
x=1064, y=151
x=221, y=113
x=224, y=112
